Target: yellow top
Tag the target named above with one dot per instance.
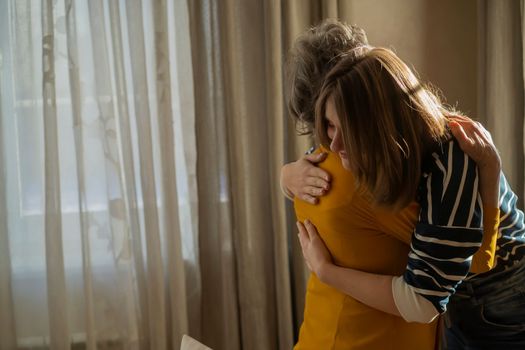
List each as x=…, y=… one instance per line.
x=366, y=238
x=373, y=239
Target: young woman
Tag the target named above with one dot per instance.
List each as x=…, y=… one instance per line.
x=391, y=132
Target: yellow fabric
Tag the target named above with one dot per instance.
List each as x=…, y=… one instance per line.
x=485, y=257
x=364, y=237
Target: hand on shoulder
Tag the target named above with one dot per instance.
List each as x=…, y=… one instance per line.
x=304, y=179
x=476, y=141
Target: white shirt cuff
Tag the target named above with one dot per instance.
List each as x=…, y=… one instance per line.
x=412, y=306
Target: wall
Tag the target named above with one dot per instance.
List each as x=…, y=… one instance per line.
x=439, y=38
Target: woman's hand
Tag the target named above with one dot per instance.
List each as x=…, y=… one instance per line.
x=315, y=253
x=476, y=141
x=304, y=180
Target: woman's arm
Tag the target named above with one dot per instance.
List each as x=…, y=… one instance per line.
x=304, y=180
x=374, y=290
x=477, y=142
x=371, y=289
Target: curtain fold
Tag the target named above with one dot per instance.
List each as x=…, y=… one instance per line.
x=274, y=103
x=56, y=284
x=129, y=200
x=155, y=269
x=74, y=85
x=177, y=324
x=219, y=305
x=121, y=200
x=247, y=135
x=501, y=93
x=7, y=320
x=187, y=300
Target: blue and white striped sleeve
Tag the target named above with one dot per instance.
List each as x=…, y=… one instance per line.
x=448, y=233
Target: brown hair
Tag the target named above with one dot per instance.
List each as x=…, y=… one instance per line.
x=389, y=122
x=312, y=56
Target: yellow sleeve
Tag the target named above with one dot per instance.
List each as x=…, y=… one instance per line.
x=485, y=257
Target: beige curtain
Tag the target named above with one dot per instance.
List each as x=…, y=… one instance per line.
x=501, y=84
x=7, y=320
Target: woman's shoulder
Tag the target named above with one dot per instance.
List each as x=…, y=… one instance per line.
x=448, y=170
x=446, y=156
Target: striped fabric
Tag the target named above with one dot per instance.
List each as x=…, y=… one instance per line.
x=450, y=231
x=511, y=237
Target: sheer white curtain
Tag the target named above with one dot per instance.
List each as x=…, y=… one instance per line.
x=98, y=227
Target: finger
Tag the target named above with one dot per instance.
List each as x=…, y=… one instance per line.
x=303, y=234
x=459, y=133
x=310, y=228
x=317, y=182
x=486, y=134
x=308, y=198
x=479, y=138
x=318, y=172
x=459, y=117
x=314, y=191
x=475, y=130
x=477, y=133
x=316, y=158
x=467, y=124
x=461, y=130
x=478, y=127
x=304, y=251
x=303, y=245
x=470, y=125
x=301, y=242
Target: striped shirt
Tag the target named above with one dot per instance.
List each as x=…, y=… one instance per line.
x=450, y=227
